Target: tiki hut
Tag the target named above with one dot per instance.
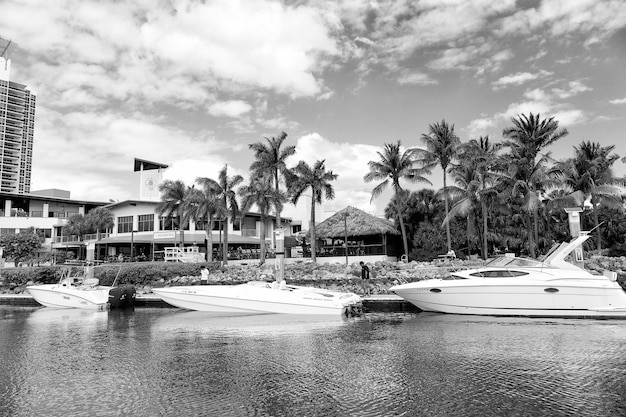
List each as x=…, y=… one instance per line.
x=366, y=234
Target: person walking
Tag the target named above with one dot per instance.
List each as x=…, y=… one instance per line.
x=365, y=278
x=204, y=275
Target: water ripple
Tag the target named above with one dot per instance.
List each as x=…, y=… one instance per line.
x=168, y=362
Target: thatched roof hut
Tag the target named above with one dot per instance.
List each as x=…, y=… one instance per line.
x=357, y=223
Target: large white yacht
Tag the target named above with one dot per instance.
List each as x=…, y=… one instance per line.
x=512, y=286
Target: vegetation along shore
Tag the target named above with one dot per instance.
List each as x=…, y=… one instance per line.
x=146, y=276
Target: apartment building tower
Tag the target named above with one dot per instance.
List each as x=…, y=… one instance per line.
x=17, y=123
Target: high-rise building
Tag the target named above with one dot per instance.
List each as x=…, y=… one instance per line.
x=17, y=123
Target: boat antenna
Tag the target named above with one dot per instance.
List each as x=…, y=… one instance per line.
x=594, y=228
x=116, y=276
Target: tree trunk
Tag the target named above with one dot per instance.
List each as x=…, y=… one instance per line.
x=262, y=255
x=312, y=227
x=225, y=247
x=536, y=226
x=596, y=221
x=402, y=228
x=278, y=220
x=445, y=204
x=485, y=246
x=529, y=231
x=209, y=239
x=469, y=231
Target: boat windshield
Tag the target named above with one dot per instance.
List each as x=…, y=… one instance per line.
x=516, y=262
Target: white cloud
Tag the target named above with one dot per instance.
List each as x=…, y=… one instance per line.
x=618, y=101
x=231, y=108
x=416, y=78
x=574, y=88
x=514, y=79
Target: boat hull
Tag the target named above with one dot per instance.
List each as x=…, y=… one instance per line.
x=258, y=298
x=561, y=298
x=60, y=296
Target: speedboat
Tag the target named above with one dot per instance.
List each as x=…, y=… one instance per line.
x=79, y=289
x=261, y=297
x=514, y=286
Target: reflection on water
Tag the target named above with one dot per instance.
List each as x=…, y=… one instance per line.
x=166, y=362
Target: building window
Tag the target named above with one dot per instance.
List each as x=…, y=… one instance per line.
x=237, y=224
x=146, y=223
x=296, y=228
x=125, y=224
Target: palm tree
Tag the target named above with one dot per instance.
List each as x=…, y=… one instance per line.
x=99, y=219
x=441, y=149
x=76, y=225
x=261, y=193
x=391, y=168
x=270, y=158
x=318, y=180
x=203, y=203
x=228, y=200
x=526, y=138
x=590, y=172
x=173, y=195
x=475, y=178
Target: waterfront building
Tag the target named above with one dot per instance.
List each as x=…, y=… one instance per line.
x=47, y=212
x=17, y=124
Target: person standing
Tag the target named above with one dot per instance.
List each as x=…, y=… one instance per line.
x=204, y=275
x=365, y=277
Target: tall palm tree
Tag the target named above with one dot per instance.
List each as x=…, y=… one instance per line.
x=228, y=200
x=475, y=179
x=441, y=149
x=203, y=203
x=318, y=180
x=260, y=192
x=528, y=136
x=173, y=195
x=393, y=166
x=589, y=171
x=271, y=157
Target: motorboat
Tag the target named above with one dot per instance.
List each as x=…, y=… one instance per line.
x=261, y=297
x=77, y=288
x=515, y=286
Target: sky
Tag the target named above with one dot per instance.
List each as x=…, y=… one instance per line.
x=191, y=83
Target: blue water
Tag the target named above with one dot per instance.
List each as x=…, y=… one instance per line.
x=170, y=362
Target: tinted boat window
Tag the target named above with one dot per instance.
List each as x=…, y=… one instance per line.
x=498, y=274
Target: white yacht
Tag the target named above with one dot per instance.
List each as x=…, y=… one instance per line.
x=261, y=297
x=77, y=288
x=512, y=286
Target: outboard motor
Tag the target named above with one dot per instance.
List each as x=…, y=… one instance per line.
x=122, y=296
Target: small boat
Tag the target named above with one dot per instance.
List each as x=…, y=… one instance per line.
x=513, y=286
x=79, y=289
x=261, y=297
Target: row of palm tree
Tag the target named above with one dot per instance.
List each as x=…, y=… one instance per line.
x=517, y=173
x=272, y=184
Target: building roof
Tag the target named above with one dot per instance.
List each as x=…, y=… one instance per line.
x=357, y=223
x=15, y=196
x=147, y=165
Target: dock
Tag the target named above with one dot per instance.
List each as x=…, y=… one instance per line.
x=383, y=303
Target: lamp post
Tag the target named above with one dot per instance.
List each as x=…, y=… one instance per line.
x=132, y=247
x=345, y=230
